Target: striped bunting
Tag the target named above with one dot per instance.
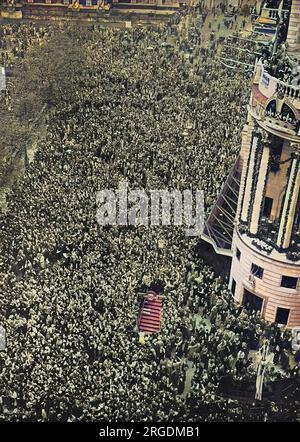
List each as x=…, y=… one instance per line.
x=150, y=315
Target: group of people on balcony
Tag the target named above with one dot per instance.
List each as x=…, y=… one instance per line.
x=281, y=66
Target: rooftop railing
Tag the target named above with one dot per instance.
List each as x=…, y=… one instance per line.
x=274, y=13
x=268, y=85
x=288, y=90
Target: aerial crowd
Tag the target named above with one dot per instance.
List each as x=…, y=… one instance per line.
x=153, y=112
x=15, y=40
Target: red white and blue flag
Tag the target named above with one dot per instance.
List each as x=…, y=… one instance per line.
x=150, y=315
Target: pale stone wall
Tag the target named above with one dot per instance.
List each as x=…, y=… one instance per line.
x=293, y=37
x=244, y=155
x=269, y=288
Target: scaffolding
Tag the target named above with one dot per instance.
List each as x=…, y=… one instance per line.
x=240, y=53
x=219, y=227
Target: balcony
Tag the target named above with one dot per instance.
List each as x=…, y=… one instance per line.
x=268, y=250
x=275, y=104
x=273, y=14
x=267, y=235
x=269, y=85
x=265, y=242
x=288, y=90
x=269, y=19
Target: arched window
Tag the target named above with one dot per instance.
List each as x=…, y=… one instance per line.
x=287, y=114
x=271, y=108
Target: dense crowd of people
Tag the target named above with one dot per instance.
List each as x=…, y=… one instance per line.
x=16, y=39
x=152, y=112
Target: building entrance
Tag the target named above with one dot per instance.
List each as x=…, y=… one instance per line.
x=252, y=302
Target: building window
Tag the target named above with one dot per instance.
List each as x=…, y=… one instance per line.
x=271, y=108
x=275, y=155
x=238, y=254
x=289, y=282
x=267, y=207
x=282, y=316
x=287, y=114
x=233, y=286
x=252, y=302
x=257, y=271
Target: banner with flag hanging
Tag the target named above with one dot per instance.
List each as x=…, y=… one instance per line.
x=150, y=314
